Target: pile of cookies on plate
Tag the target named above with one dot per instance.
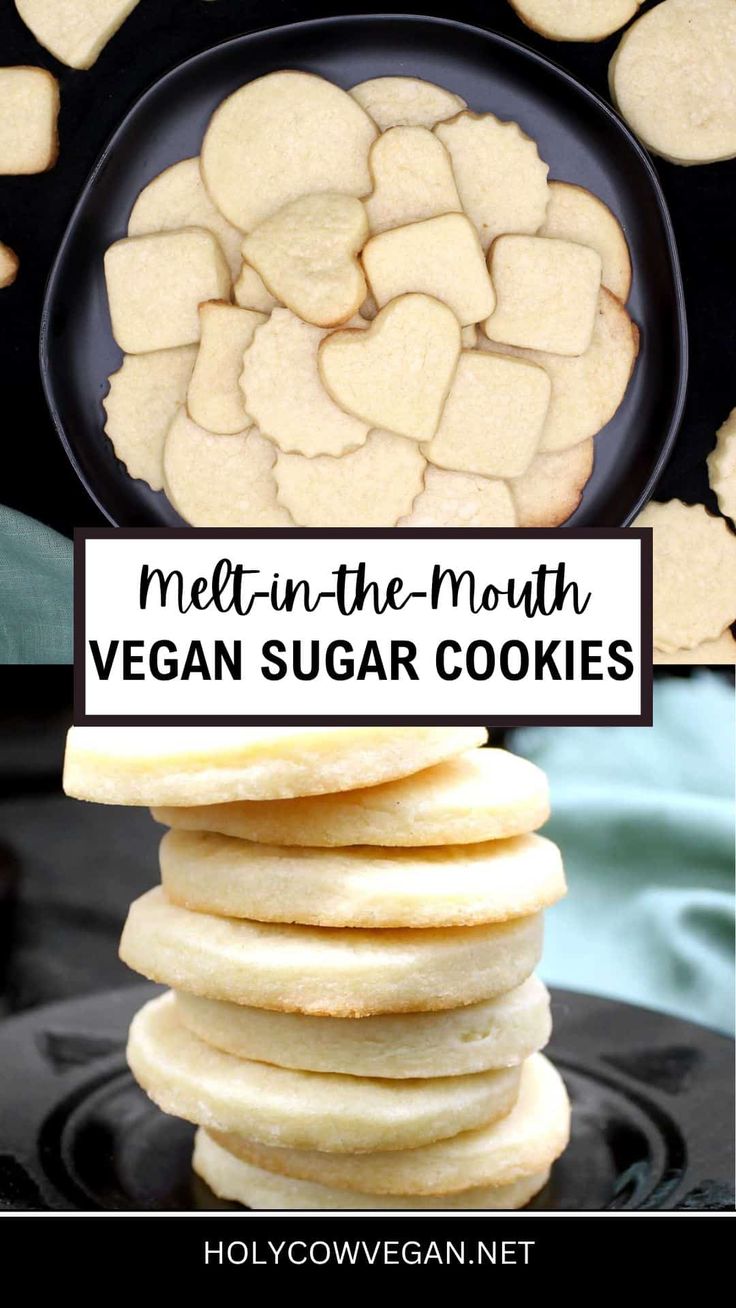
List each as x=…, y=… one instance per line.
x=366, y=308
x=349, y=923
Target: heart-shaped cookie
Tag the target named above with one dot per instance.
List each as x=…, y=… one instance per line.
x=307, y=253
x=397, y=374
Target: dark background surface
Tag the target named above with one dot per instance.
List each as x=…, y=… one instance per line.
x=36, y=477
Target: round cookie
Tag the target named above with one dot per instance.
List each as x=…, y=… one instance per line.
x=370, y=487
x=525, y=1142
x=284, y=393
x=324, y=284
x=552, y=486
x=144, y=397
x=231, y=1178
x=501, y=180
x=441, y=886
x=406, y=102
x=499, y=1032
x=327, y=971
x=221, y=481
x=304, y=1110
x=575, y=20
x=722, y=467
x=484, y=794
x=396, y=374
x=672, y=78
x=282, y=136
x=694, y=574
x=177, y=198
x=412, y=179
x=586, y=389
x=722, y=650
x=216, y=765
x=574, y=214
x=458, y=499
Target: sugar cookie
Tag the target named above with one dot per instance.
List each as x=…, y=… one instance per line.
x=412, y=179
x=575, y=20
x=284, y=393
x=250, y=293
x=221, y=481
x=526, y=1141
x=673, y=76
x=484, y=794
x=694, y=574
x=74, y=31
x=29, y=110
x=304, y=1110
x=214, y=397
x=156, y=283
x=9, y=264
x=722, y=467
x=722, y=650
x=456, y=499
x=440, y=886
x=216, y=765
x=372, y=487
x=547, y=294
x=306, y=254
x=395, y=375
x=328, y=972
x=281, y=136
x=586, y=390
x=552, y=486
x=574, y=214
x=231, y=1178
x=469, y=336
x=177, y=198
x=499, y=1032
x=144, y=397
x=500, y=177
x=406, y=102
x=440, y=257
x=492, y=422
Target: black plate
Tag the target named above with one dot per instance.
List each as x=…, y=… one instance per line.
x=652, y=1113
x=578, y=134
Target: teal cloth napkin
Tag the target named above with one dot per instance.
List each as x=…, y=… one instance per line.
x=645, y=821
x=35, y=592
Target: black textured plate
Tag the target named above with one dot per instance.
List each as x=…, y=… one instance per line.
x=582, y=139
x=652, y=1113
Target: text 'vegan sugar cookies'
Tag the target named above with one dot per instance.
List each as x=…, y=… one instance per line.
x=306, y=254
x=156, y=283
x=29, y=110
x=498, y=1032
x=214, y=397
x=694, y=574
x=500, y=177
x=217, y=765
x=395, y=375
x=144, y=397
x=673, y=78
x=281, y=136
x=371, y=487
x=493, y=418
x=406, y=102
x=440, y=257
x=546, y=294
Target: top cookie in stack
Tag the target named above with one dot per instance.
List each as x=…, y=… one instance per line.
x=366, y=309
x=349, y=919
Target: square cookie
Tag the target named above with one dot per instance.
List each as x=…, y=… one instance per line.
x=546, y=293
x=441, y=257
x=156, y=283
x=29, y=108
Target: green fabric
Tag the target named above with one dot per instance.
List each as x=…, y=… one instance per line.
x=645, y=821
x=35, y=592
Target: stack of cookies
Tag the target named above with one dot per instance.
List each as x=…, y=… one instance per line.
x=349, y=922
